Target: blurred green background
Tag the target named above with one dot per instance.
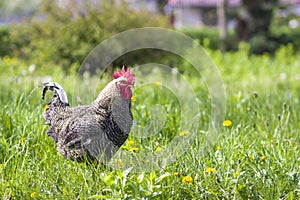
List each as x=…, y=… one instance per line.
x=64, y=32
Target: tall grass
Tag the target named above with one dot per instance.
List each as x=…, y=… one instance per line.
x=257, y=157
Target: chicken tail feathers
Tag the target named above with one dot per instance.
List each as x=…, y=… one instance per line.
x=53, y=111
x=58, y=92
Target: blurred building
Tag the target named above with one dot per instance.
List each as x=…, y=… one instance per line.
x=150, y=5
x=196, y=13
x=17, y=10
x=182, y=13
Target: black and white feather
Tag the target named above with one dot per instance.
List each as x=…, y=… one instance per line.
x=59, y=92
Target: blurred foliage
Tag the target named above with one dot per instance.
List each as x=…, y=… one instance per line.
x=264, y=25
x=209, y=37
x=254, y=19
x=280, y=33
x=65, y=36
x=58, y=36
x=284, y=33
x=204, y=34
x=4, y=41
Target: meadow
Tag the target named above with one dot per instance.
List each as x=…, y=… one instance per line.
x=256, y=156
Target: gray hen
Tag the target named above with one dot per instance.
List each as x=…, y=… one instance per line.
x=94, y=131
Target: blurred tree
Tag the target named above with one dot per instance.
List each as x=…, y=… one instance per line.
x=65, y=35
x=162, y=4
x=254, y=20
x=2, y=3
x=222, y=22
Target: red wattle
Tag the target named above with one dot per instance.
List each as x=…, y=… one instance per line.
x=127, y=93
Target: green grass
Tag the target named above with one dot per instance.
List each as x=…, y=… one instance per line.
x=258, y=157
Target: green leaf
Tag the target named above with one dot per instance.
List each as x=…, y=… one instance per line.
x=140, y=178
x=7, y=124
x=98, y=197
x=152, y=176
x=164, y=176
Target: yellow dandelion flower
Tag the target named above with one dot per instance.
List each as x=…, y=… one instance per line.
x=130, y=142
x=227, y=123
x=187, y=180
x=22, y=142
x=176, y=173
x=134, y=149
x=32, y=194
x=251, y=157
x=158, y=149
x=263, y=157
x=46, y=108
x=124, y=147
x=158, y=83
x=6, y=60
x=133, y=99
x=210, y=170
x=184, y=132
x=14, y=61
x=218, y=147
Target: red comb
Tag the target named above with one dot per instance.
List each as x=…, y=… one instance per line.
x=126, y=73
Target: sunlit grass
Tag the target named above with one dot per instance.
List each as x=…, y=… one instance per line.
x=255, y=157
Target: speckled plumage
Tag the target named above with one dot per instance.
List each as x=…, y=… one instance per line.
x=95, y=131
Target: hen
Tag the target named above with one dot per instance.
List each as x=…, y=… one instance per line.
x=94, y=131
